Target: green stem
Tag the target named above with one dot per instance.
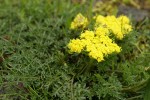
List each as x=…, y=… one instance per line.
x=136, y=87
x=135, y=97
x=89, y=66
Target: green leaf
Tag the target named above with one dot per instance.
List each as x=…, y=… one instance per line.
x=147, y=92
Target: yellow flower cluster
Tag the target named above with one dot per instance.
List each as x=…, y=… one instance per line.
x=79, y=22
x=97, y=45
x=118, y=26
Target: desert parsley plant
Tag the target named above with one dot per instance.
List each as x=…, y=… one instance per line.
x=36, y=35
x=98, y=43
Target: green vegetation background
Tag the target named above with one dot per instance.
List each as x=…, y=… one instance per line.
x=35, y=63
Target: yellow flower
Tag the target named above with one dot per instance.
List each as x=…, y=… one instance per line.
x=118, y=26
x=96, y=55
x=97, y=43
x=124, y=19
x=101, y=30
x=79, y=22
x=97, y=46
x=75, y=45
x=87, y=35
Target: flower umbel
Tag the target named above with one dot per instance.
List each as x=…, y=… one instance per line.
x=79, y=22
x=97, y=46
x=118, y=26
